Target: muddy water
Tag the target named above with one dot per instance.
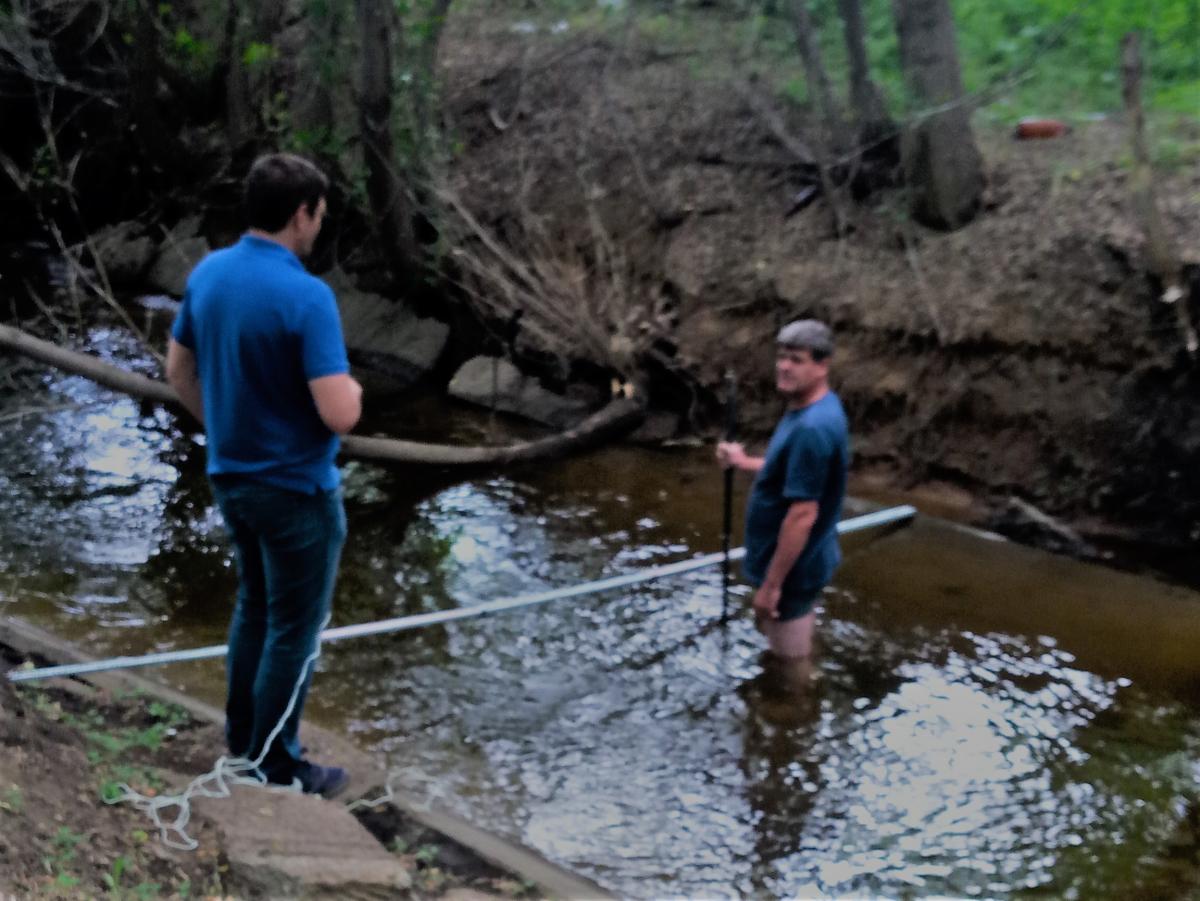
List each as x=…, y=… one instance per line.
x=989, y=721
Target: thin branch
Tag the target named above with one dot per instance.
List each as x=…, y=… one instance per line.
x=801, y=151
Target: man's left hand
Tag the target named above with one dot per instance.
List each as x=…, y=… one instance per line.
x=766, y=601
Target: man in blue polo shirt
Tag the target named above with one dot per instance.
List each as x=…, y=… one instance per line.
x=796, y=501
x=256, y=354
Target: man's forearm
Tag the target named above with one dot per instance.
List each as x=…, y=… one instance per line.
x=793, y=536
x=190, y=396
x=751, y=464
x=183, y=376
x=732, y=455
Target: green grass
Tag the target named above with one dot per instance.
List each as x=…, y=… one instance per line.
x=1071, y=51
x=108, y=744
x=1057, y=58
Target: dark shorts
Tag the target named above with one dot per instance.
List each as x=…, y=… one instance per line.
x=797, y=604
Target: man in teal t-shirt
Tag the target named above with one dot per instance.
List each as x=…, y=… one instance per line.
x=796, y=501
x=256, y=354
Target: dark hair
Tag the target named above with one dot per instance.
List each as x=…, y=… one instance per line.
x=276, y=185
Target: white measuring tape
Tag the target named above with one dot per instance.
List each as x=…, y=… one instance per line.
x=420, y=620
x=231, y=771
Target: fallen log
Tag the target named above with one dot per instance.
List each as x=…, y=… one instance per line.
x=89, y=367
x=617, y=418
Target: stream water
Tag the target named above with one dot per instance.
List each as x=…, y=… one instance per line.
x=989, y=721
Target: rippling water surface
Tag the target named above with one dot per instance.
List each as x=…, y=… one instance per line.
x=987, y=721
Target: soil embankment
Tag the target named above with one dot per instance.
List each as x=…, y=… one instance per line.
x=70, y=743
x=1023, y=357
x=654, y=187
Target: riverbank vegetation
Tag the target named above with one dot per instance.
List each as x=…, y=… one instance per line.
x=642, y=191
x=70, y=747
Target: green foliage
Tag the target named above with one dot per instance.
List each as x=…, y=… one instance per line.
x=111, y=734
x=430, y=877
x=66, y=839
x=1022, y=58
x=112, y=879
x=62, y=857
x=1060, y=57
x=1047, y=57
x=66, y=881
x=796, y=89
x=1063, y=55
x=258, y=55
x=195, y=52
x=108, y=744
x=187, y=51
x=1173, y=153
x=144, y=891
x=1071, y=51
x=116, y=775
x=170, y=715
x=12, y=800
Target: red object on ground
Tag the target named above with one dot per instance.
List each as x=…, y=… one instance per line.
x=1040, y=128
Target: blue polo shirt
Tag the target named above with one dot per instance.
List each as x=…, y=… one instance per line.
x=261, y=327
x=806, y=460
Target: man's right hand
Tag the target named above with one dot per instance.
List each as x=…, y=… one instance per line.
x=766, y=601
x=731, y=454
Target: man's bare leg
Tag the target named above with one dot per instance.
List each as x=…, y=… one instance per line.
x=791, y=643
x=793, y=639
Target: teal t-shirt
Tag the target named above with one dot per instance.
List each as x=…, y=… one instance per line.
x=806, y=460
x=261, y=327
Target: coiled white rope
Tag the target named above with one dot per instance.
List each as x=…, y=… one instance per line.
x=217, y=782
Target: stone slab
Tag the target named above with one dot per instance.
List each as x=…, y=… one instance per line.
x=287, y=845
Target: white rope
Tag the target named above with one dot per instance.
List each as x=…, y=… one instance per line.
x=432, y=787
x=217, y=782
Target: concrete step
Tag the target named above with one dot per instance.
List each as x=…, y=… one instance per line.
x=282, y=845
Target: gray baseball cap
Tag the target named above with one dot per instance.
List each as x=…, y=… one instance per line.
x=807, y=334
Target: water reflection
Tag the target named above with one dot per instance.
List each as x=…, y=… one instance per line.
x=968, y=733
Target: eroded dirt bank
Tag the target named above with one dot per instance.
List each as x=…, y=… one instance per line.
x=655, y=186
x=1024, y=356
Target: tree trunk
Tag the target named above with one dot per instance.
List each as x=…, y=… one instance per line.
x=250, y=89
x=425, y=73
x=314, y=109
x=815, y=74
x=239, y=124
x=874, y=123
x=385, y=188
x=154, y=137
x=619, y=417
x=827, y=107
x=1164, y=259
x=941, y=162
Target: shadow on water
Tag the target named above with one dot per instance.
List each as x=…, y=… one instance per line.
x=985, y=720
x=782, y=762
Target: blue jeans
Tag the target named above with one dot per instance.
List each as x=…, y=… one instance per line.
x=287, y=545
